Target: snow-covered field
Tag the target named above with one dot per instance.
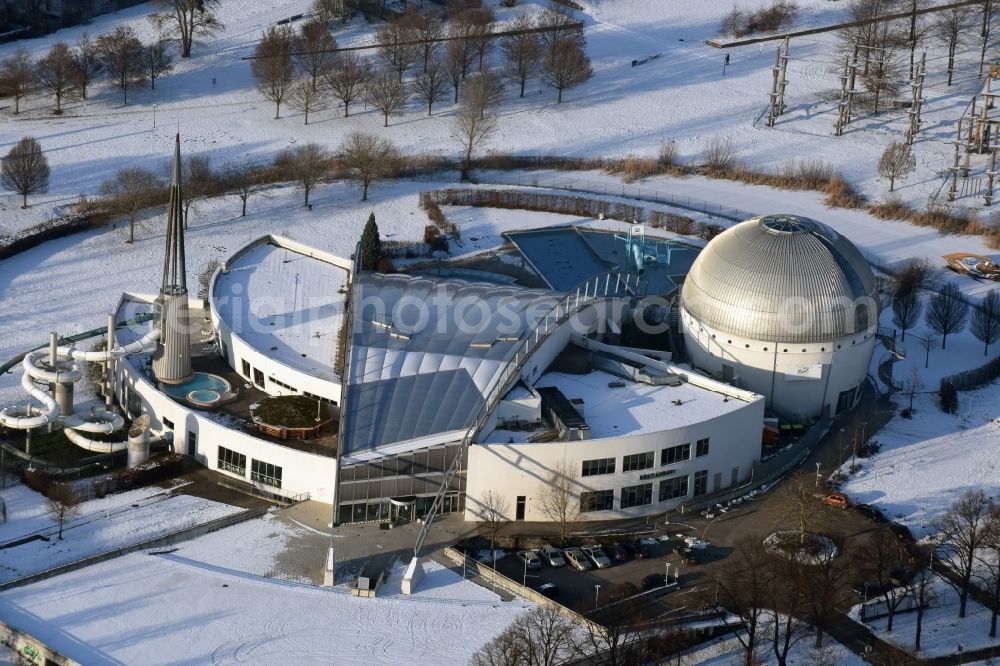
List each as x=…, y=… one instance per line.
x=203, y=604
x=927, y=462
x=681, y=96
x=728, y=651
x=100, y=525
x=942, y=632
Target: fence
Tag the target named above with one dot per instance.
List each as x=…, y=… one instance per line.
x=644, y=193
x=259, y=490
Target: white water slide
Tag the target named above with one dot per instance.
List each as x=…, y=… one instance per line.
x=38, y=369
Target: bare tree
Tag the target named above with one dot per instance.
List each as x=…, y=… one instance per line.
x=912, y=386
x=17, y=77
x=963, y=530
x=881, y=72
x=186, y=20
x=492, y=511
x=455, y=65
x=476, y=23
x=347, y=79
x=744, y=586
x=619, y=639
x=566, y=65
x=897, y=161
x=199, y=181
x=522, y=52
x=484, y=91
x=825, y=591
x=906, y=311
x=131, y=190
x=928, y=342
x=313, y=51
x=368, y=157
x=156, y=60
x=947, y=312
x=63, y=504
x=913, y=276
x=244, y=179
x=121, y=56
x=506, y=649
x=787, y=606
x=801, y=504
x=461, y=47
x=331, y=11
x=272, y=65
x=429, y=30
x=559, y=500
x=991, y=562
x=950, y=27
x=986, y=320
x=304, y=98
x=545, y=636
x=432, y=84
x=395, y=44
x=386, y=92
x=307, y=165
x=921, y=558
x=25, y=169
x=88, y=63
x=884, y=557
x=56, y=72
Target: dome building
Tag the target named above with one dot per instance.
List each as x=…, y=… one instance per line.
x=786, y=307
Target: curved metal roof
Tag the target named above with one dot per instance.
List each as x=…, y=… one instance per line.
x=782, y=278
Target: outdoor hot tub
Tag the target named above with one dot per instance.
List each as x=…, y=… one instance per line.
x=203, y=390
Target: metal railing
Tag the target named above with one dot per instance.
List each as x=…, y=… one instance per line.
x=644, y=193
x=585, y=294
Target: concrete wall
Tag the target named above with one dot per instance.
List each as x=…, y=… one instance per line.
x=302, y=472
x=237, y=349
x=521, y=469
x=769, y=368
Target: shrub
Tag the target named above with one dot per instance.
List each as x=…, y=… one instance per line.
x=840, y=194
x=720, y=156
x=636, y=168
x=891, y=208
x=667, y=155
x=434, y=240
x=949, y=397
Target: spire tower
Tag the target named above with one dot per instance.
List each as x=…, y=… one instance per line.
x=172, y=358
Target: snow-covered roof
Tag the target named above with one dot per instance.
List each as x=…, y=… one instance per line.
x=425, y=352
x=287, y=305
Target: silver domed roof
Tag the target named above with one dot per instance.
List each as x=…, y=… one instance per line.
x=782, y=278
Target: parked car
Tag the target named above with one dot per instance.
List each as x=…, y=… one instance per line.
x=836, y=500
x=617, y=552
x=529, y=559
x=653, y=581
x=597, y=556
x=550, y=590
x=552, y=555
x=639, y=550
x=577, y=559
x=622, y=591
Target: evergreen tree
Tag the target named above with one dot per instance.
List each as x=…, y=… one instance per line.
x=371, y=245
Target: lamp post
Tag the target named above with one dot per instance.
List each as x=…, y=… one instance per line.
x=666, y=578
x=524, y=577
x=154, y=116
x=597, y=594
x=817, y=475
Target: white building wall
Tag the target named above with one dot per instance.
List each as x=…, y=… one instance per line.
x=302, y=472
x=514, y=470
x=773, y=369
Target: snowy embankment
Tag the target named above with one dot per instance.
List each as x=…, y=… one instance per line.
x=207, y=602
x=928, y=461
x=97, y=525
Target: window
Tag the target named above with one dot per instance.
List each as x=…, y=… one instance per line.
x=637, y=495
x=861, y=317
x=246, y=367
x=258, y=377
x=845, y=400
x=599, y=466
x=702, y=448
x=673, y=488
x=599, y=500
x=231, y=461
x=675, y=454
x=638, y=461
x=701, y=482
x=167, y=423
x=266, y=473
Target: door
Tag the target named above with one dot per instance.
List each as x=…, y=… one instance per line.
x=521, y=500
x=717, y=482
x=192, y=443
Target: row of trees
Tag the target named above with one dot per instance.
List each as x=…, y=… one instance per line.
x=946, y=312
x=306, y=70
x=67, y=72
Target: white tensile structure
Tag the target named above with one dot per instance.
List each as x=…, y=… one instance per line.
x=786, y=307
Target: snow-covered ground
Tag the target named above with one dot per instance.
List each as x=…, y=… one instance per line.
x=930, y=460
x=681, y=96
x=99, y=525
x=728, y=651
x=943, y=632
x=204, y=603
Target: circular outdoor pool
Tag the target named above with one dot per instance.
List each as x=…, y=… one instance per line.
x=203, y=390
